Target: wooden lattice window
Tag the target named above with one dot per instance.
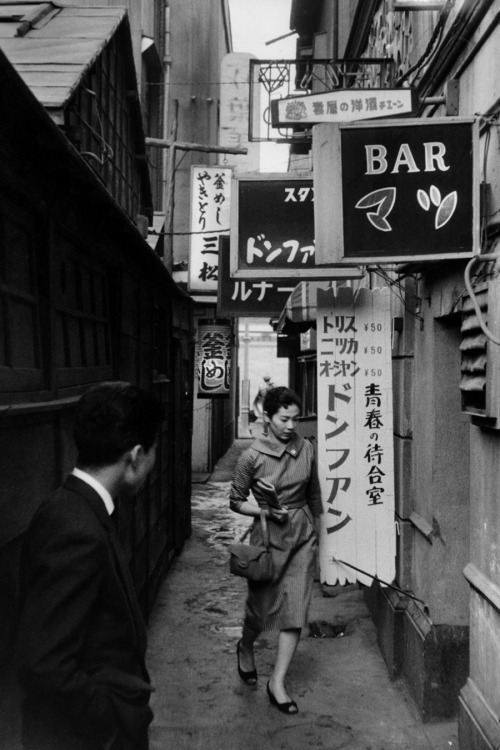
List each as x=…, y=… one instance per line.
x=161, y=335
x=480, y=357
x=83, y=334
x=20, y=340
x=100, y=123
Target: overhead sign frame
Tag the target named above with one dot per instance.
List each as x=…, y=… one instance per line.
x=403, y=191
x=272, y=229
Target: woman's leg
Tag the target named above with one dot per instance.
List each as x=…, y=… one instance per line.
x=248, y=637
x=287, y=645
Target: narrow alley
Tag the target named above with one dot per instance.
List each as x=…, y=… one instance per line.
x=338, y=678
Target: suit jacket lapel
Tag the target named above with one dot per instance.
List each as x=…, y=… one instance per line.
x=126, y=578
x=96, y=503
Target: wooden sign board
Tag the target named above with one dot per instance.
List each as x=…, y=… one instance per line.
x=342, y=106
x=355, y=435
x=250, y=297
x=210, y=213
x=399, y=191
x=272, y=230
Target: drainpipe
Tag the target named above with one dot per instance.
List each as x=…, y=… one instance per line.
x=245, y=387
x=335, y=35
x=167, y=63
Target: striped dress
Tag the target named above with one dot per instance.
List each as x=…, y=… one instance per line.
x=282, y=604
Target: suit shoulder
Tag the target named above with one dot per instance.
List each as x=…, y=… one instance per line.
x=66, y=509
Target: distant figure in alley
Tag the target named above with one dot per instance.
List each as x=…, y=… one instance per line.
x=290, y=495
x=258, y=404
x=82, y=639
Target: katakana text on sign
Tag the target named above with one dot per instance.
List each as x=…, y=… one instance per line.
x=342, y=106
x=275, y=223
x=355, y=434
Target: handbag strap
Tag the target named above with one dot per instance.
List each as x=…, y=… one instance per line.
x=265, y=530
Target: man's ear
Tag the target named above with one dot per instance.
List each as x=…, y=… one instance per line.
x=135, y=453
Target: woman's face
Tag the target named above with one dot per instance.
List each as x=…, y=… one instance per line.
x=283, y=423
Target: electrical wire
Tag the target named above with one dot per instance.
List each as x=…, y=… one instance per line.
x=487, y=139
x=106, y=150
x=432, y=45
x=385, y=583
x=401, y=290
x=206, y=231
x=484, y=327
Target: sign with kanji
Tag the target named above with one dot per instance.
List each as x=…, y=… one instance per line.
x=213, y=356
x=272, y=229
x=342, y=106
x=400, y=191
x=355, y=435
x=210, y=215
x=249, y=297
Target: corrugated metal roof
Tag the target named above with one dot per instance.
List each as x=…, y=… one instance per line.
x=52, y=46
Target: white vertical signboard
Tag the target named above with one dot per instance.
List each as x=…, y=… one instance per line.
x=235, y=111
x=355, y=436
x=210, y=212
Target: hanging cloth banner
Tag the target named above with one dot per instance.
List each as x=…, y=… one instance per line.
x=213, y=355
x=355, y=435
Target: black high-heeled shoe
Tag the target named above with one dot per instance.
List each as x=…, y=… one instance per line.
x=249, y=677
x=289, y=708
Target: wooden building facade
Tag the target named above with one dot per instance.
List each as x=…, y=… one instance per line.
x=83, y=299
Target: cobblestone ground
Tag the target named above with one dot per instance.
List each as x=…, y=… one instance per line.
x=341, y=685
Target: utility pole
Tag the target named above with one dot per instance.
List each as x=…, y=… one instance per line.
x=173, y=144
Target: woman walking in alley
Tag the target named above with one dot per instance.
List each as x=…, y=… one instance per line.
x=279, y=469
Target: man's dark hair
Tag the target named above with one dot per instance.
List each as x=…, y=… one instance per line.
x=113, y=417
x=275, y=398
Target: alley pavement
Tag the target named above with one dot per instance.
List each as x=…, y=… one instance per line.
x=338, y=677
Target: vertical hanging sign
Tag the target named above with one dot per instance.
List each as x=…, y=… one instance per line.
x=213, y=354
x=210, y=212
x=355, y=436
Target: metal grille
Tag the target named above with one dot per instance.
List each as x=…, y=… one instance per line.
x=278, y=79
x=480, y=381
x=473, y=351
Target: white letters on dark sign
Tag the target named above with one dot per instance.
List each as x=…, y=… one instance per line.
x=377, y=161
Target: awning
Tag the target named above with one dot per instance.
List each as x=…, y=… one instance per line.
x=299, y=313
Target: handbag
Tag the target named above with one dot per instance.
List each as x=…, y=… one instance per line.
x=251, y=561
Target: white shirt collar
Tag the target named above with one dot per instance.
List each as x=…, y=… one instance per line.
x=97, y=486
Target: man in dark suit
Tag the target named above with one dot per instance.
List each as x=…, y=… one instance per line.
x=82, y=639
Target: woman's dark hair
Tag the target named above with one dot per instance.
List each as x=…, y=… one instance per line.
x=113, y=417
x=275, y=398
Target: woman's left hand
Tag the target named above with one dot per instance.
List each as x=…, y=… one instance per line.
x=279, y=515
